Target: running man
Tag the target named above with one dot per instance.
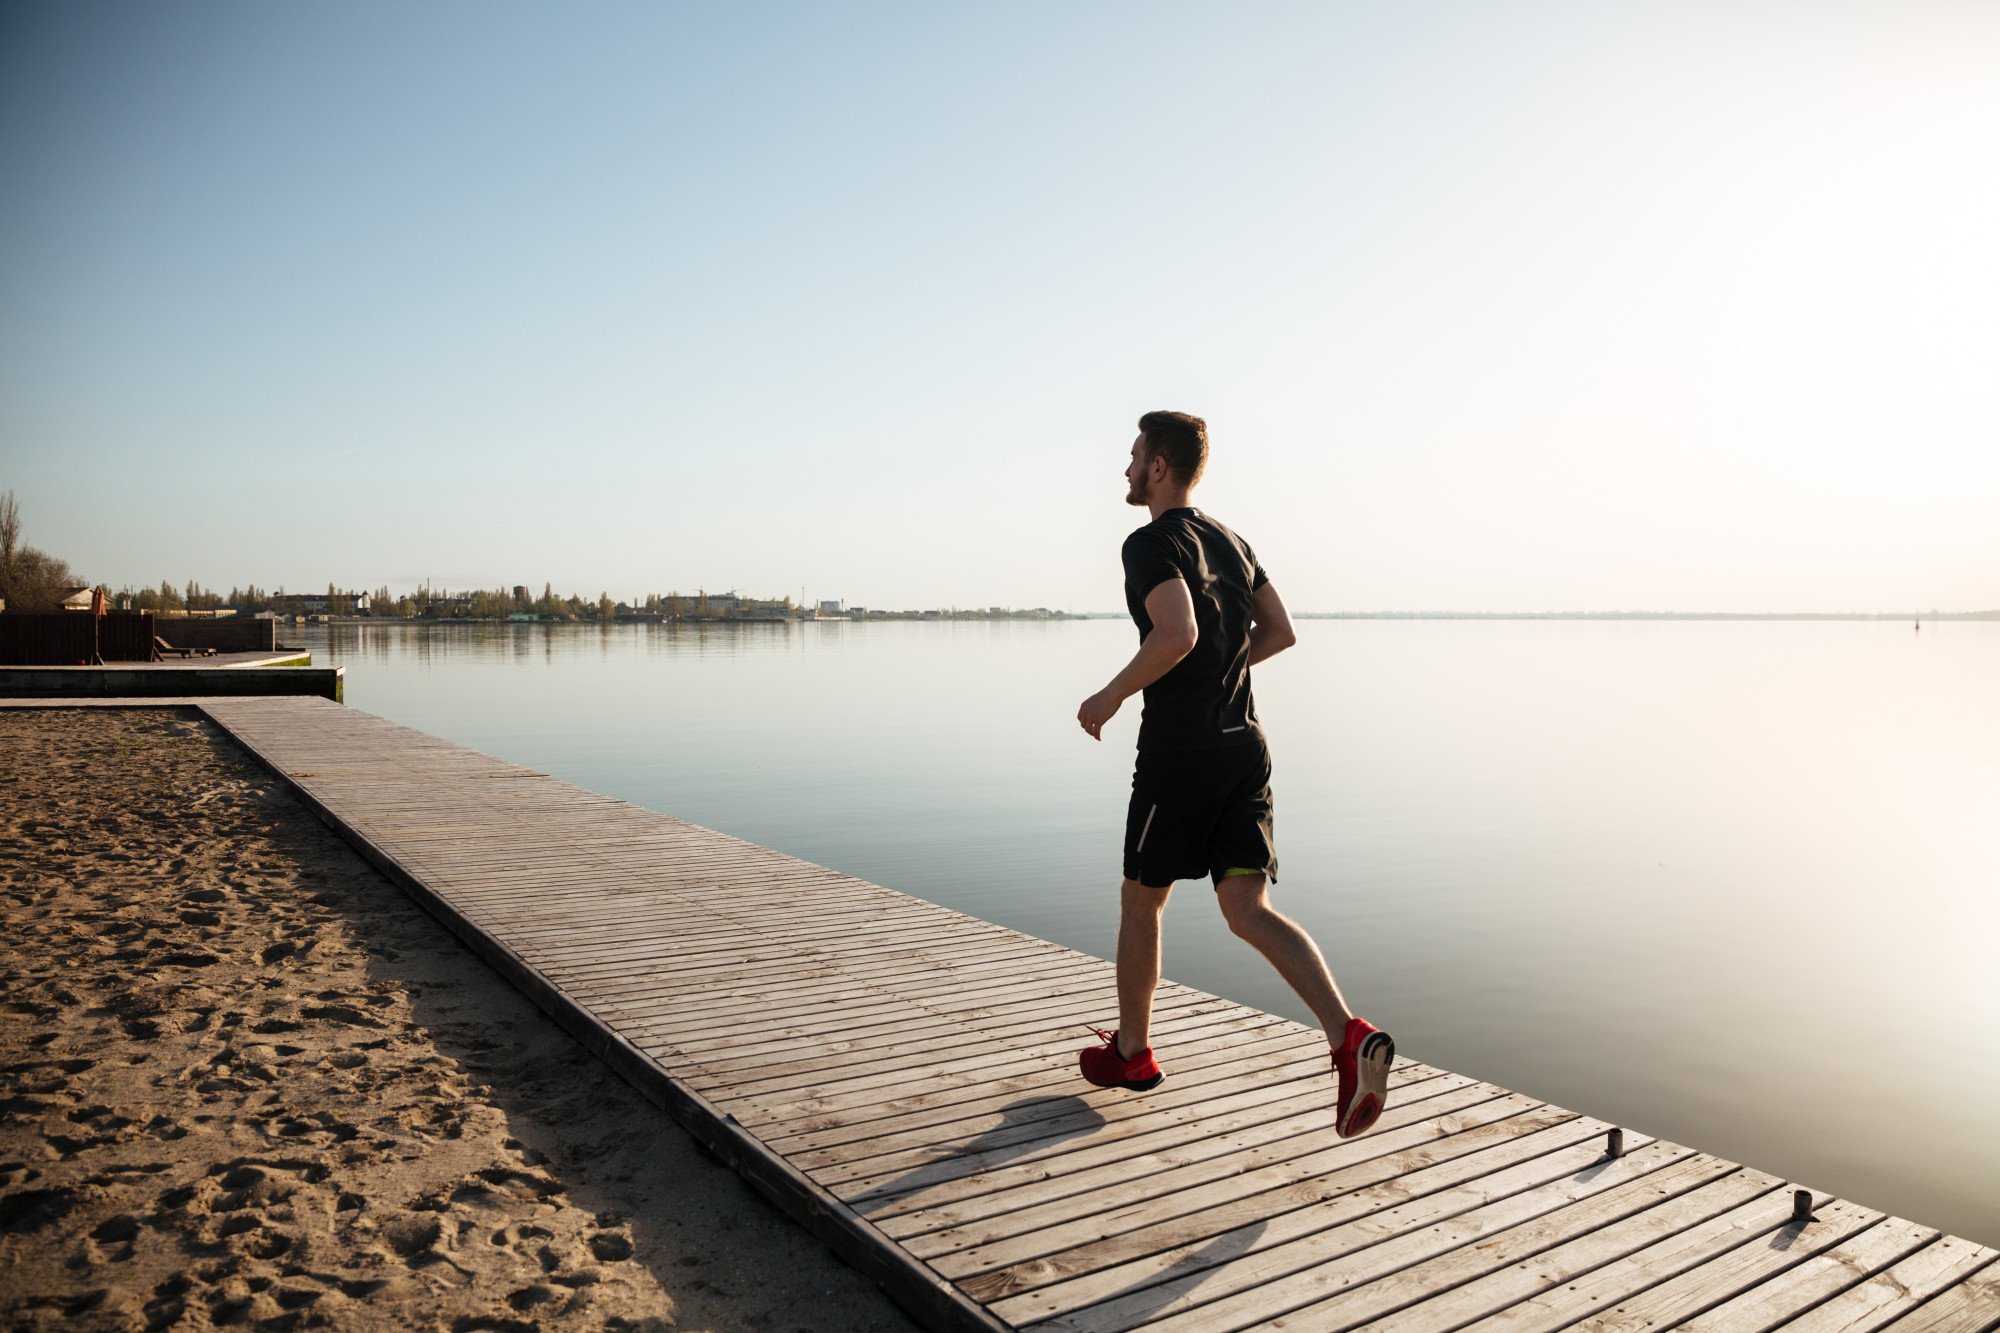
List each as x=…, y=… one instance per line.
x=1201, y=793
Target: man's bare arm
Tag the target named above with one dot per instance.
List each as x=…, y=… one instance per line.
x=1171, y=609
x=1271, y=629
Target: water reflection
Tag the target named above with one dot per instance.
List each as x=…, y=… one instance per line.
x=1733, y=884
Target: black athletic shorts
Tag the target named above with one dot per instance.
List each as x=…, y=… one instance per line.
x=1200, y=812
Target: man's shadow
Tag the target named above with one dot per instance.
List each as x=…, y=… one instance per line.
x=1026, y=1126
x=1152, y=1294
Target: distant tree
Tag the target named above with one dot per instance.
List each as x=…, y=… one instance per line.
x=30, y=580
x=10, y=535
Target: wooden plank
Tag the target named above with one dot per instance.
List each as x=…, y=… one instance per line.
x=908, y=1179
x=853, y=1036
x=1378, y=1283
x=690, y=1017
x=860, y=1014
x=1038, y=1244
x=1638, y=1271
x=914, y=1180
x=959, y=1075
x=1701, y=1288
x=1734, y=1271
x=1969, y=1306
x=909, y=1122
x=1279, y=1261
x=1896, y=1291
x=803, y=974
x=1267, y=1108
x=1819, y=1278
x=1523, y=1262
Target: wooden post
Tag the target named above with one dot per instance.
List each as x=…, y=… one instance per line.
x=1614, y=1144
x=1802, y=1206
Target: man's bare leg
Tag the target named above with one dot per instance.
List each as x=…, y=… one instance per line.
x=1139, y=963
x=1246, y=906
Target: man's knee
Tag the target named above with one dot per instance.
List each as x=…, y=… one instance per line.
x=1143, y=898
x=1244, y=905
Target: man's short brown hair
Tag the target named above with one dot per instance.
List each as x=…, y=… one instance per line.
x=1180, y=439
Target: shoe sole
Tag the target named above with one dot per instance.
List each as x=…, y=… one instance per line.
x=1136, y=1085
x=1371, y=1070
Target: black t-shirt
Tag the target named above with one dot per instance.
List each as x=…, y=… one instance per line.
x=1204, y=702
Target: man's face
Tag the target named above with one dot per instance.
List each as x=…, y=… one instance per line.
x=1139, y=475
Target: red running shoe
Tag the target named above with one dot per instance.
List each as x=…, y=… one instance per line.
x=1106, y=1068
x=1362, y=1066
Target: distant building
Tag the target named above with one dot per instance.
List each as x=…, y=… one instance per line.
x=77, y=599
x=720, y=601
x=322, y=604
x=521, y=593
x=829, y=608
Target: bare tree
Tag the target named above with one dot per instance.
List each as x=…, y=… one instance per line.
x=10, y=529
x=30, y=580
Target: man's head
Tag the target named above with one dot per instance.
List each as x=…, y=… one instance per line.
x=1171, y=450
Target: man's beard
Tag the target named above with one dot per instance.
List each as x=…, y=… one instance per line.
x=1139, y=494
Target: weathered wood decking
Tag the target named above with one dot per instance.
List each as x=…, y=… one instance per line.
x=902, y=1079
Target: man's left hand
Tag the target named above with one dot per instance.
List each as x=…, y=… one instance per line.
x=1098, y=709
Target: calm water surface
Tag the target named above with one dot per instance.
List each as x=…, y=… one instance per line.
x=1735, y=884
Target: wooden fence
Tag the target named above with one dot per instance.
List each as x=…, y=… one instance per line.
x=74, y=638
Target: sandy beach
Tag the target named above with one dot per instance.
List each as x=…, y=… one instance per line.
x=248, y=1083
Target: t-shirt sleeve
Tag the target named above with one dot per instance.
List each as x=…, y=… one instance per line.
x=1258, y=578
x=1149, y=562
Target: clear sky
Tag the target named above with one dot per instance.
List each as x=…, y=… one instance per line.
x=1502, y=306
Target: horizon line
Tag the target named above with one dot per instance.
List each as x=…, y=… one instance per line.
x=1933, y=614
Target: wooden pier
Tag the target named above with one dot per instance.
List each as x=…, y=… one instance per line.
x=225, y=674
x=902, y=1079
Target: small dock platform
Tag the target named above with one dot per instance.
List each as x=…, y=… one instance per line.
x=220, y=674
x=902, y=1079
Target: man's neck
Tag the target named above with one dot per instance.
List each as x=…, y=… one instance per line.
x=1163, y=498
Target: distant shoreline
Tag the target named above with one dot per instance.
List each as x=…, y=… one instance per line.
x=1646, y=615
x=1296, y=615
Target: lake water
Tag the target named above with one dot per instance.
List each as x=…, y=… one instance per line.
x=1736, y=884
